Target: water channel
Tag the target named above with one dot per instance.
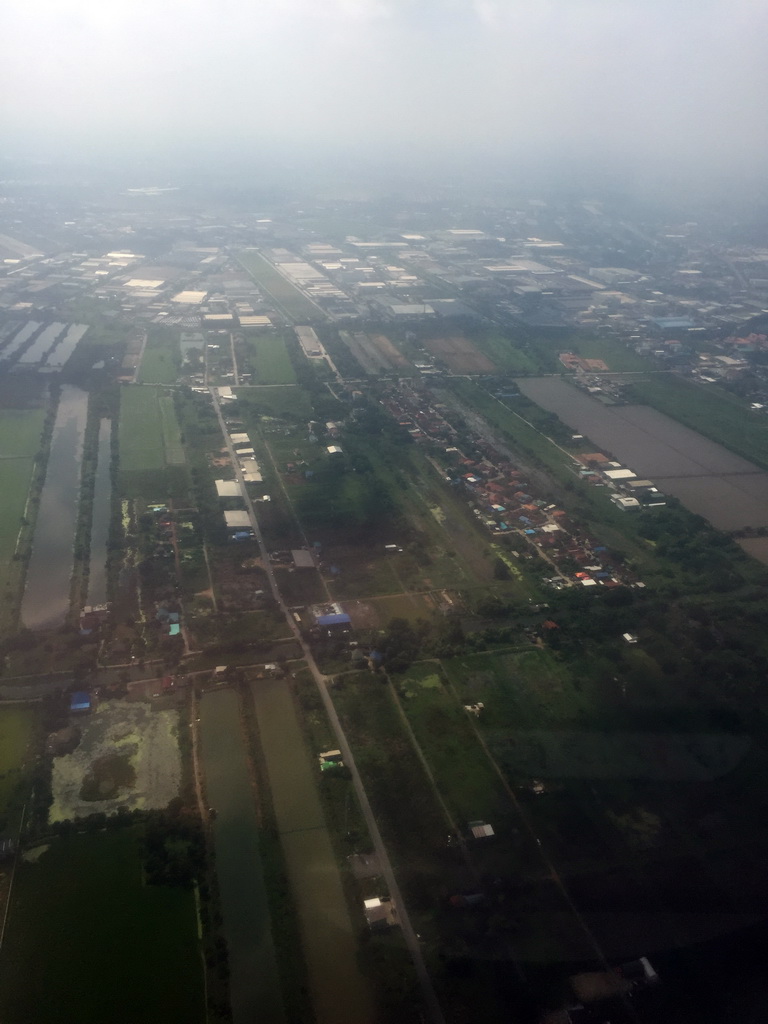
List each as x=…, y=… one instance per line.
x=46, y=597
x=254, y=980
x=102, y=498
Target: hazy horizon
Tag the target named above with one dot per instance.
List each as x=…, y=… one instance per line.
x=637, y=91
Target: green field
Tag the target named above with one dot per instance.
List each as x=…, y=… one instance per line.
x=20, y=431
x=464, y=776
x=331, y=954
x=293, y=403
x=520, y=690
x=149, y=431
x=151, y=452
x=614, y=354
x=15, y=477
x=269, y=359
x=18, y=726
x=87, y=941
x=506, y=354
x=162, y=358
x=715, y=413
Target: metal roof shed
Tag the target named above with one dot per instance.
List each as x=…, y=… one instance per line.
x=334, y=620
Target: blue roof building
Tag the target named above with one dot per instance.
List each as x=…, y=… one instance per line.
x=334, y=620
x=81, y=701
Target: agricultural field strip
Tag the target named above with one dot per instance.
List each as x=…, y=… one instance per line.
x=150, y=437
x=314, y=874
x=254, y=971
x=19, y=444
x=135, y=939
x=529, y=828
x=160, y=359
x=283, y=292
x=271, y=361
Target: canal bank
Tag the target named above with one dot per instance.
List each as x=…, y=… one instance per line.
x=100, y=517
x=255, y=990
x=46, y=596
x=340, y=993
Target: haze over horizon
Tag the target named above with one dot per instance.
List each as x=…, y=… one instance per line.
x=638, y=90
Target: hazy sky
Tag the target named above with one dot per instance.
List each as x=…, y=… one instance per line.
x=656, y=82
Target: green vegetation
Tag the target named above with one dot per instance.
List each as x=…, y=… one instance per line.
x=267, y=357
x=712, y=411
x=20, y=433
x=506, y=353
x=161, y=362
x=289, y=402
x=287, y=298
x=260, y=980
x=142, y=444
x=19, y=728
x=151, y=451
x=136, y=954
x=614, y=354
x=15, y=478
x=310, y=862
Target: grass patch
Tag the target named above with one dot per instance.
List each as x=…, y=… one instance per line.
x=136, y=955
x=18, y=730
x=142, y=444
x=151, y=451
x=713, y=412
x=506, y=354
x=292, y=402
x=15, y=478
x=20, y=433
x=162, y=358
x=289, y=299
x=268, y=357
x=520, y=690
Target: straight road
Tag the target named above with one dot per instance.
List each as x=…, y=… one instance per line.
x=414, y=948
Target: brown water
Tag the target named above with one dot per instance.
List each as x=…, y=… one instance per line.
x=46, y=597
x=711, y=481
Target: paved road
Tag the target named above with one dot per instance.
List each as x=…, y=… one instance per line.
x=409, y=934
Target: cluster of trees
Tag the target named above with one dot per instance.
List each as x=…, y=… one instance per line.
x=174, y=848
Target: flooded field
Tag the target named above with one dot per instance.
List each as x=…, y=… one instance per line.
x=97, y=572
x=46, y=597
x=254, y=980
x=128, y=756
x=708, y=479
x=330, y=945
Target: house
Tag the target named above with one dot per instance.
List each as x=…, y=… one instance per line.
x=481, y=830
x=625, y=503
x=380, y=913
